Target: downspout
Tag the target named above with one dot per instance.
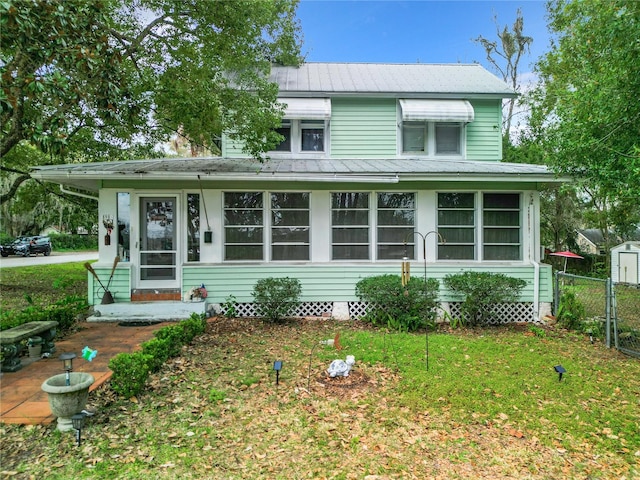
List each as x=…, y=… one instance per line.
x=77, y=194
x=532, y=257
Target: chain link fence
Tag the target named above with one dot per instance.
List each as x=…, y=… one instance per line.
x=603, y=307
x=626, y=318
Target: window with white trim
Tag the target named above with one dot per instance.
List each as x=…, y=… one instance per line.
x=350, y=235
x=501, y=232
x=243, y=226
x=431, y=139
x=395, y=225
x=457, y=226
x=302, y=136
x=290, y=226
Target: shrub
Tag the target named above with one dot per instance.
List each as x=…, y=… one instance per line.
x=174, y=336
x=158, y=350
x=65, y=241
x=405, y=308
x=64, y=312
x=276, y=297
x=193, y=326
x=130, y=373
x=482, y=290
x=571, y=312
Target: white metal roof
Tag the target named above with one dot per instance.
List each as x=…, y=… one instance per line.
x=418, y=80
x=89, y=176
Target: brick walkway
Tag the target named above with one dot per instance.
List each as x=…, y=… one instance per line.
x=22, y=400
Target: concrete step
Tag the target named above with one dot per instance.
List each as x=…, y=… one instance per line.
x=145, y=311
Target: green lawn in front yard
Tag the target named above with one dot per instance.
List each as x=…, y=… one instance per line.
x=41, y=284
x=489, y=406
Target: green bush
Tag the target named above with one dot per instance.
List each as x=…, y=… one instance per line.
x=65, y=241
x=159, y=350
x=167, y=343
x=481, y=291
x=175, y=337
x=407, y=308
x=64, y=312
x=130, y=373
x=276, y=297
x=571, y=313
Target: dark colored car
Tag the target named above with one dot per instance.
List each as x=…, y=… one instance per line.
x=26, y=246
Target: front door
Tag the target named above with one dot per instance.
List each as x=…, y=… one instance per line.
x=158, y=243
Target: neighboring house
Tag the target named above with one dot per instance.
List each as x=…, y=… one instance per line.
x=375, y=157
x=591, y=241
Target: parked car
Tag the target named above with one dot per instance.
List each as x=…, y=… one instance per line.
x=26, y=246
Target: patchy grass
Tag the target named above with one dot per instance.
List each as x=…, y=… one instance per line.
x=41, y=284
x=490, y=405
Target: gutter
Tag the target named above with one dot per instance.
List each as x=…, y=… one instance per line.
x=536, y=265
x=77, y=194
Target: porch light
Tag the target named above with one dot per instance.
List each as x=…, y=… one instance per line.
x=559, y=370
x=78, y=422
x=67, y=363
x=277, y=366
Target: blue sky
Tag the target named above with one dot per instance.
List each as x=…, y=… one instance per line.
x=410, y=31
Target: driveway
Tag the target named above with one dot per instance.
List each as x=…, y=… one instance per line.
x=55, y=257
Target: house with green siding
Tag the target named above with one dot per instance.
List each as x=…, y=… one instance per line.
x=379, y=162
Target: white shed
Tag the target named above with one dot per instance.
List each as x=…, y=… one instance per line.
x=625, y=263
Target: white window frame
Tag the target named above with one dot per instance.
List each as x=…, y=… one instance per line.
x=430, y=139
x=370, y=226
x=480, y=229
x=296, y=127
x=271, y=226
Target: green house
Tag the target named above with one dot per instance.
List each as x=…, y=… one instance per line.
x=379, y=162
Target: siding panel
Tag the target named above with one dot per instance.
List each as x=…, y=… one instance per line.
x=484, y=134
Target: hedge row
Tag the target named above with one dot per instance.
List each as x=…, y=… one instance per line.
x=131, y=370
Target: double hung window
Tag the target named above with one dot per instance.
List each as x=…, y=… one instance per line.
x=302, y=136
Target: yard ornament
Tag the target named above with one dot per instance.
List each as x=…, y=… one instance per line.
x=89, y=354
x=340, y=368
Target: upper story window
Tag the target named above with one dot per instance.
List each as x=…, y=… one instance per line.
x=305, y=125
x=434, y=127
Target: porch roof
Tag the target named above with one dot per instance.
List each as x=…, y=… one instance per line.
x=88, y=176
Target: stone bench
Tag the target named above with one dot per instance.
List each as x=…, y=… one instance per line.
x=10, y=342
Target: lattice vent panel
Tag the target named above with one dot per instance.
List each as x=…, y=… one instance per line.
x=502, y=313
x=358, y=309
x=305, y=309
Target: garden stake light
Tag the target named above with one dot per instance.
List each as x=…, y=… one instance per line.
x=67, y=363
x=277, y=366
x=406, y=276
x=560, y=370
x=78, y=422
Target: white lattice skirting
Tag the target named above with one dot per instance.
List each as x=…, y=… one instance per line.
x=501, y=314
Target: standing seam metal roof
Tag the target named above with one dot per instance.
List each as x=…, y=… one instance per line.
x=387, y=78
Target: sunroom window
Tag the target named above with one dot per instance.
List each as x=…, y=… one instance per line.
x=290, y=226
x=350, y=226
x=396, y=220
x=457, y=226
x=501, y=226
x=243, y=226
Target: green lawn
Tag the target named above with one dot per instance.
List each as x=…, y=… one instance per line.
x=489, y=406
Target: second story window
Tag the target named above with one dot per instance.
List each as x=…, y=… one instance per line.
x=434, y=127
x=302, y=136
x=305, y=125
